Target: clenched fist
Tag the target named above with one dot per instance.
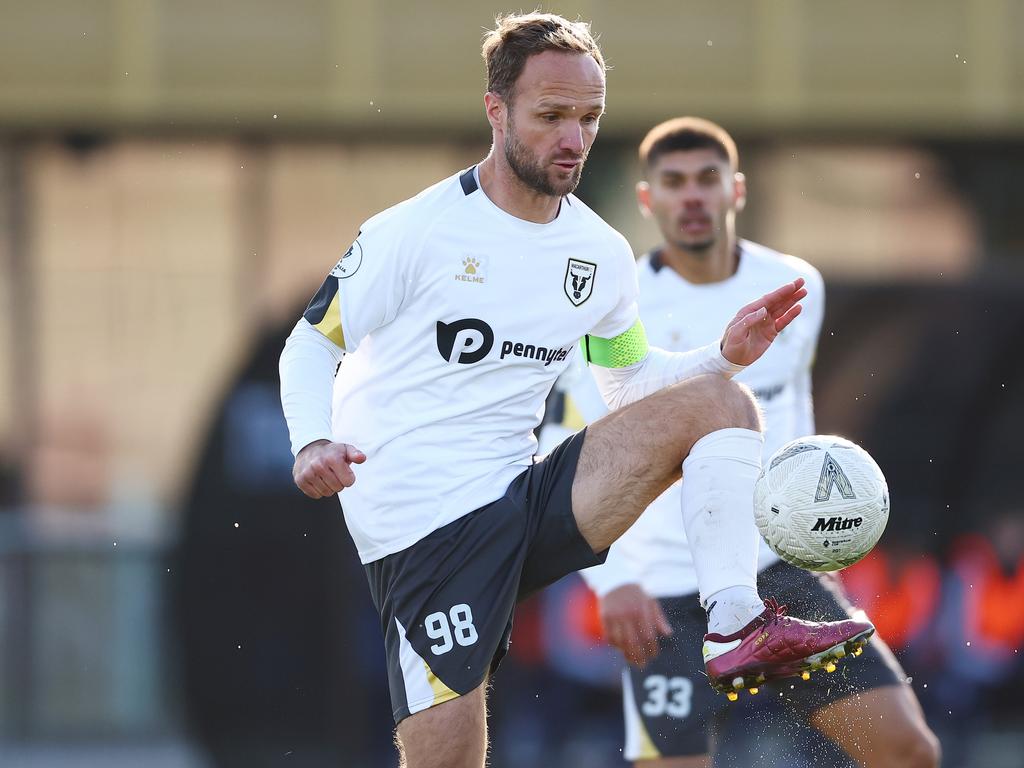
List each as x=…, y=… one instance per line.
x=323, y=468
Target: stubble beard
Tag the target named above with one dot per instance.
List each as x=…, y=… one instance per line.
x=531, y=172
x=701, y=249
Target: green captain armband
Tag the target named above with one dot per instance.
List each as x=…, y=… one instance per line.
x=627, y=348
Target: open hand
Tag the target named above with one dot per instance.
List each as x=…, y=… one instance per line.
x=633, y=621
x=756, y=325
x=323, y=468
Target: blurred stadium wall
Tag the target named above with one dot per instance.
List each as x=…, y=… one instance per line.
x=177, y=175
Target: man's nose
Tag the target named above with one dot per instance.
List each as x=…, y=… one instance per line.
x=692, y=197
x=572, y=138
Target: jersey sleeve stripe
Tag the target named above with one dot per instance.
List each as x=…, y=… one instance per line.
x=628, y=348
x=324, y=311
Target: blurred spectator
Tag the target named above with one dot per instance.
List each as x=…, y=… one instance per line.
x=973, y=657
x=899, y=589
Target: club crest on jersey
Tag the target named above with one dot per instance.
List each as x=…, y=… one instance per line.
x=579, y=280
x=349, y=263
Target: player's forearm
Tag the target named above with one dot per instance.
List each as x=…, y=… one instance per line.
x=307, y=367
x=659, y=369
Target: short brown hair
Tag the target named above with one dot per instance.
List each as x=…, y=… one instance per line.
x=517, y=37
x=685, y=133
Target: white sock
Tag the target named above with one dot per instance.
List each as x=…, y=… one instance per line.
x=718, y=517
x=732, y=608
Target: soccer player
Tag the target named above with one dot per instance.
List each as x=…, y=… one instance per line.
x=451, y=315
x=648, y=587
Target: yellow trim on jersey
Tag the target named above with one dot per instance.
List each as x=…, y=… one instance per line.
x=442, y=692
x=571, y=416
x=330, y=326
x=324, y=311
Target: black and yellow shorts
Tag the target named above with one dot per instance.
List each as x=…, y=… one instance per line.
x=446, y=602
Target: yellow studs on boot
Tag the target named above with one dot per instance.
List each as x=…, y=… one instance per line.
x=753, y=691
x=830, y=667
x=805, y=675
x=732, y=695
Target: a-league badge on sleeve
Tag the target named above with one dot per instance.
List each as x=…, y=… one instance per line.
x=349, y=263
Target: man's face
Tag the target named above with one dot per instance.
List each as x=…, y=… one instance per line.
x=692, y=195
x=552, y=121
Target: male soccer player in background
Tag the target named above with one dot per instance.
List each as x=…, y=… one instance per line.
x=443, y=379
x=693, y=190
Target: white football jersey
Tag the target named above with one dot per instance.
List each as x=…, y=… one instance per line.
x=457, y=318
x=679, y=315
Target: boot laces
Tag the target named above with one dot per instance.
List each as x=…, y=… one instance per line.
x=778, y=611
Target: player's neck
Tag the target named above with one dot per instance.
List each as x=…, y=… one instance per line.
x=505, y=190
x=714, y=265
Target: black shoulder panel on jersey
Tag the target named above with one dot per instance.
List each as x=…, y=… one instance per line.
x=318, y=305
x=656, y=261
x=468, y=181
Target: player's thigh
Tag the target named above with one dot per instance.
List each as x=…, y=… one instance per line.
x=633, y=454
x=543, y=494
x=450, y=735
x=668, y=704
x=880, y=727
x=695, y=761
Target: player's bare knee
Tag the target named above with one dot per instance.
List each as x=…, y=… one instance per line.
x=725, y=403
x=748, y=412
x=920, y=750
x=915, y=747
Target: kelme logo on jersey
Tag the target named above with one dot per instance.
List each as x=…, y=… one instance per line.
x=579, y=280
x=464, y=341
x=472, y=269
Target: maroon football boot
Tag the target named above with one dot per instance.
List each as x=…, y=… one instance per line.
x=775, y=645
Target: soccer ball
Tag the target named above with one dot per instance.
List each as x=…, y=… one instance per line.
x=821, y=502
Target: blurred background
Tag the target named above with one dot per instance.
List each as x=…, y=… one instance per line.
x=176, y=177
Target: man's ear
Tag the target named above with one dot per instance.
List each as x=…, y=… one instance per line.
x=496, y=109
x=643, y=198
x=739, y=191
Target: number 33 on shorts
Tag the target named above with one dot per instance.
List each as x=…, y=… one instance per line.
x=438, y=627
x=667, y=696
